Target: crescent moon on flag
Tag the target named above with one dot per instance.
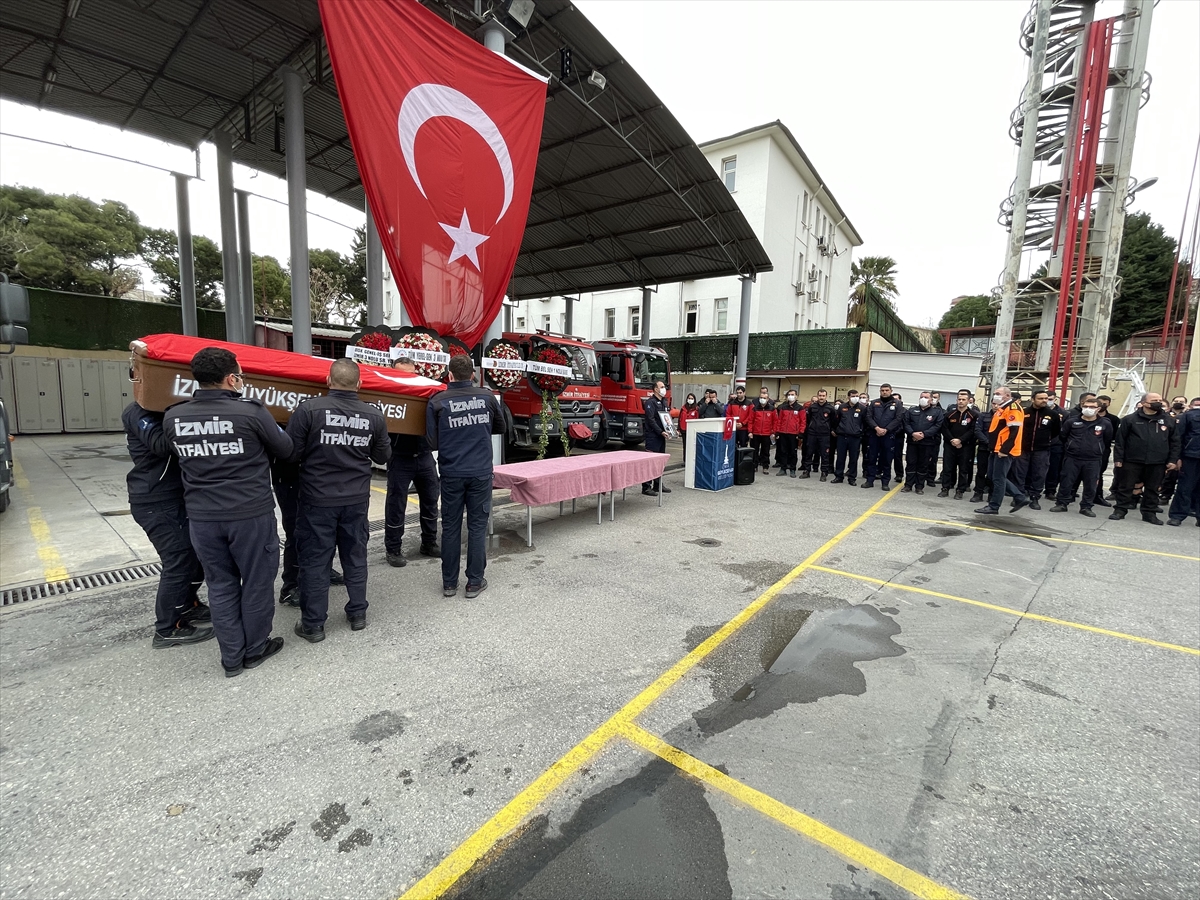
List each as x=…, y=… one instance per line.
x=427, y=101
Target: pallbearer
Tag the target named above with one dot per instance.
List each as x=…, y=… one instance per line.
x=337, y=437
x=225, y=445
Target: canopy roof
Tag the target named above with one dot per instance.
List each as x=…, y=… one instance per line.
x=623, y=197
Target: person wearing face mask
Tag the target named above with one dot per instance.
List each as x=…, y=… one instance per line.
x=935, y=442
x=1177, y=408
x=1187, y=494
x=1054, y=463
x=959, y=441
x=741, y=406
x=851, y=421
x=656, y=435
x=1085, y=439
x=790, y=421
x=983, y=454
x=921, y=423
x=885, y=419
x=690, y=410
x=1146, y=448
x=1008, y=420
x=762, y=426
x=1042, y=426
x=818, y=437
x=1104, y=400
x=225, y=445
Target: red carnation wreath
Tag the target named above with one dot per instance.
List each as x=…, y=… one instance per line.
x=549, y=384
x=375, y=340
x=502, y=379
x=424, y=339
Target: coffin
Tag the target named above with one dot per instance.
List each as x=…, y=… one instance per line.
x=162, y=377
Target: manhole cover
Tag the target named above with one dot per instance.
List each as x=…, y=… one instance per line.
x=705, y=542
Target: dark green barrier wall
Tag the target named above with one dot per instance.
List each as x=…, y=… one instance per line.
x=833, y=349
x=92, y=322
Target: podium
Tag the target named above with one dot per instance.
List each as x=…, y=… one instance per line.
x=710, y=457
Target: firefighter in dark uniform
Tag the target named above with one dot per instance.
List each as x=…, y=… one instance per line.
x=983, y=454
x=224, y=446
x=1146, y=448
x=459, y=424
x=1085, y=438
x=285, y=479
x=851, y=420
x=656, y=438
x=935, y=443
x=818, y=436
x=1042, y=426
x=156, y=504
x=411, y=463
x=885, y=420
x=958, y=437
x=921, y=423
x=337, y=437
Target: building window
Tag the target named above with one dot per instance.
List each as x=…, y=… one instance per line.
x=635, y=321
x=520, y=323
x=800, y=273
x=610, y=323
x=545, y=323
x=721, y=314
x=804, y=210
x=729, y=173
x=691, y=317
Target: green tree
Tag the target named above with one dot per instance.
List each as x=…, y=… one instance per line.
x=337, y=287
x=67, y=243
x=160, y=251
x=272, y=288
x=1144, y=270
x=973, y=310
x=872, y=280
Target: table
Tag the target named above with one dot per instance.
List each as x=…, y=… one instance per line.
x=544, y=481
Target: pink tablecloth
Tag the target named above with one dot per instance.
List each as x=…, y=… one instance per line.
x=545, y=481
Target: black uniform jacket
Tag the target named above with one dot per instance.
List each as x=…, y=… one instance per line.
x=459, y=424
x=337, y=437
x=1086, y=438
x=1147, y=439
x=154, y=477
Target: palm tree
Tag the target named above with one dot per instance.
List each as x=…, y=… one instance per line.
x=871, y=280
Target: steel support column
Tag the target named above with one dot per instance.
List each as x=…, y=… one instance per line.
x=297, y=180
x=1110, y=210
x=245, y=265
x=1030, y=103
x=647, y=294
x=569, y=315
x=374, y=272
x=230, y=276
x=187, y=264
x=743, y=343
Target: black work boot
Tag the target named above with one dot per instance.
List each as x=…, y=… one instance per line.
x=824, y=476
x=1151, y=519
x=781, y=473
x=851, y=481
x=868, y=484
x=1059, y=507
x=804, y=473
x=791, y=473
x=958, y=495
x=944, y=492
x=1117, y=515
x=976, y=498
x=907, y=489
x=837, y=479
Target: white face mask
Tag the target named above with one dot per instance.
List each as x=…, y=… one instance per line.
x=1089, y=411
x=997, y=398
x=662, y=392
x=791, y=398
x=923, y=402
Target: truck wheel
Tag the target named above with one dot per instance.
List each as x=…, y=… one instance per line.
x=598, y=441
x=3, y=501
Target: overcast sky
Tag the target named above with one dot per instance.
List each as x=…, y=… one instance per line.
x=903, y=107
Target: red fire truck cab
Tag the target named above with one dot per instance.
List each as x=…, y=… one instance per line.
x=628, y=372
x=579, y=401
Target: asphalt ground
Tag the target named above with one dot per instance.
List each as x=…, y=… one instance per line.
x=789, y=689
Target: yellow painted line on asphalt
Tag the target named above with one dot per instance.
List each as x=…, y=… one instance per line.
x=52, y=563
x=1039, y=537
x=379, y=490
x=914, y=882
x=1179, y=648
x=463, y=857
x=19, y=476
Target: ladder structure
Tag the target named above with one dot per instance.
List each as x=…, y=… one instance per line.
x=1075, y=128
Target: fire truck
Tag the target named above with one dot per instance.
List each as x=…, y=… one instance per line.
x=628, y=372
x=579, y=401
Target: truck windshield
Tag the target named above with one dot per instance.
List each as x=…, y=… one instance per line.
x=649, y=368
x=583, y=361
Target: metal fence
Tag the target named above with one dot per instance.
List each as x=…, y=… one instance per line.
x=831, y=349
x=884, y=321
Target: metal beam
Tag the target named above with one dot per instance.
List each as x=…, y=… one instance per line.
x=230, y=277
x=187, y=265
x=297, y=179
x=743, y=341
x=647, y=296
x=245, y=265
x=374, y=271
x=187, y=29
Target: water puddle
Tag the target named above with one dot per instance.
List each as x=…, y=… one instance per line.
x=816, y=662
x=651, y=835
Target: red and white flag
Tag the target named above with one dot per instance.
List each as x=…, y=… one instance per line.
x=446, y=136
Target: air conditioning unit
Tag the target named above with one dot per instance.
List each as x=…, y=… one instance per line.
x=814, y=297
x=799, y=289
x=813, y=274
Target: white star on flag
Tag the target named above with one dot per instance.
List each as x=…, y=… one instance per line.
x=465, y=240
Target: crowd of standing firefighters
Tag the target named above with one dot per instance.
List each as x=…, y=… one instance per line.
x=1027, y=451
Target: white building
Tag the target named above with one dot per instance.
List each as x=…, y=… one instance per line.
x=805, y=232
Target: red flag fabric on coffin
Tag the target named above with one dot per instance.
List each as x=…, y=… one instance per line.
x=446, y=135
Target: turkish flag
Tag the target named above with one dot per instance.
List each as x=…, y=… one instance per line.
x=730, y=425
x=446, y=136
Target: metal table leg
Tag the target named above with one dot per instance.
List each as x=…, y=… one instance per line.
x=599, y=509
x=612, y=506
x=560, y=507
x=572, y=505
x=529, y=526
x=660, y=488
